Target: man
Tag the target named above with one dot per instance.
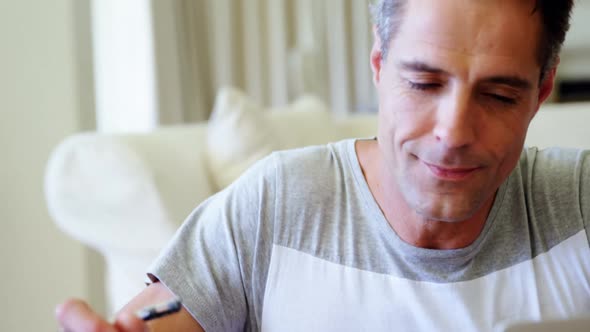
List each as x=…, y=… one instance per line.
x=442, y=222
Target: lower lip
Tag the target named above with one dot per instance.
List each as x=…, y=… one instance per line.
x=452, y=175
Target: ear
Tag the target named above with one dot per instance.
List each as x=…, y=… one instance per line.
x=376, y=57
x=547, y=85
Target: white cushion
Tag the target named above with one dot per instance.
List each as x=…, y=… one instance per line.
x=307, y=121
x=241, y=132
x=237, y=136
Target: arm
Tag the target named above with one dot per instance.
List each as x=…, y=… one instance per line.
x=75, y=315
x=207, y=259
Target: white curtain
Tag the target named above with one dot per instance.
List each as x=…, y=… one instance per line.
x=275, y=50
x=161, y=61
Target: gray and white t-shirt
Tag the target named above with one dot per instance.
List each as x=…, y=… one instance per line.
x=299, y=244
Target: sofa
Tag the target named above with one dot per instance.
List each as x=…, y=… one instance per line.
x=124, y=195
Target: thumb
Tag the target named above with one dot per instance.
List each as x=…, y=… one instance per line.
x=76, y=315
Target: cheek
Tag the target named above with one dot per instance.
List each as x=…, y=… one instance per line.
x=504, y=139
x=410, y=128
x=404, y=115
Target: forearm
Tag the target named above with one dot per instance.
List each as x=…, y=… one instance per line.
x=75, y=315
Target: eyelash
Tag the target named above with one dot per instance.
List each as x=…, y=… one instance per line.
x=433, y=86
x=424, y=86
x=502, y=99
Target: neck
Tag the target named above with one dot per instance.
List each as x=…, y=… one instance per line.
x=411, y=227
x=421, y=232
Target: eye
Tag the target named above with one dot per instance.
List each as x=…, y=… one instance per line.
x=502, y=99
x=424, y=86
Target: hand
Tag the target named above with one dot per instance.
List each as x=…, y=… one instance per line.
x=76, y=316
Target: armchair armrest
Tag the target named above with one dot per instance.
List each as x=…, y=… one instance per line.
x=125, y=195
x=100, y=192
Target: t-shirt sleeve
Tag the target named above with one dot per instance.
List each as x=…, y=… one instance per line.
x=215, y=262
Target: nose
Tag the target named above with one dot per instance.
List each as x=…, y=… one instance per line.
x=455, y=121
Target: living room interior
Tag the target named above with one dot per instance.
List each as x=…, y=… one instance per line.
x=119, y=117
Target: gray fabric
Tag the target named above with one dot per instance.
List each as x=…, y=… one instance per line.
x=316, y=200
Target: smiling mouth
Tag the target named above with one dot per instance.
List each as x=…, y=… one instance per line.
x=451, y=173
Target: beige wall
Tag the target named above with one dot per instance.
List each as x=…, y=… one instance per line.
x=39, y=105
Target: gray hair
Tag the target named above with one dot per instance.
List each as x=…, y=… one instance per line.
x=387, y=17
x=555, y=18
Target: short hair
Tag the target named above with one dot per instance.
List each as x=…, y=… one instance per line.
x=555, y=19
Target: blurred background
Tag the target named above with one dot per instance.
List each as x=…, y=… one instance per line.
x=68, y=66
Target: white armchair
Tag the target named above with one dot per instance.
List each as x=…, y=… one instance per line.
x=125, y=195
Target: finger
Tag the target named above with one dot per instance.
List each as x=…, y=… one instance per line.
x=75, y=315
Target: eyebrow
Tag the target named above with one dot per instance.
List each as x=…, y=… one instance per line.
x=509, y=80
x=421, y=67
x=513, y=81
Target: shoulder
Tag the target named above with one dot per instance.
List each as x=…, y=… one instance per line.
x=556, y=157
x=312, y=168
x=327, y=153
x=556, y=184
x=554, y=168
x=313, y=163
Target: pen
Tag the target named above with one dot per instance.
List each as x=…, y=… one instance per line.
x=160, y=310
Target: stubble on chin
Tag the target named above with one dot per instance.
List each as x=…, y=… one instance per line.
x=438, y=201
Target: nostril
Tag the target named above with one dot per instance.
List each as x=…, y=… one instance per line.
x=455, y=135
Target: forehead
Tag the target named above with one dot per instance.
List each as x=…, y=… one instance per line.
x=467, y=33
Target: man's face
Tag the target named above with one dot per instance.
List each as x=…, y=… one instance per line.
x=456, y=95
